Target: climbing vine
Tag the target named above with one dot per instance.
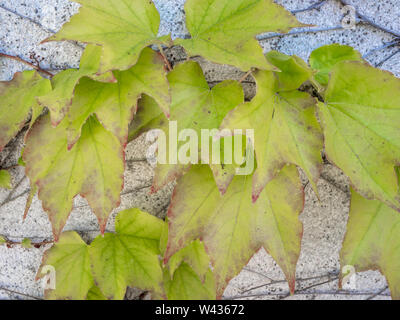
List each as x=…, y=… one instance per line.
x=337, y=106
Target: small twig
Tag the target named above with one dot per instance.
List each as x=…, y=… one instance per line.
x=33, y=244
x=27, y=18
x=273, y=282
x=377, y=294
x=293, y=32
x=312, y=7
x=384, y=46
x=9, y=199
x=20, y=293
x=379, y=64
x=245, y=76
x=283, y=296
x=39, y=25
x=165, y=58
x=36, y=67
x=369, y=21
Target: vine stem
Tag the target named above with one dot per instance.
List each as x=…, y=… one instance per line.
x=164, y=57
x=369, y=21
x=36, y=67
x=312, y=7
x=34, y=244
x=245, y=76
x=20, y=293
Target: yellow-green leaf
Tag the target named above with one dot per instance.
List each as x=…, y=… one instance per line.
x=93, y=168
x=194, y=106
x=372, y=240
x=185, y=284
x=70, y=260
x=26, y=243
x=325, y=58
x=95, y=294
x=232, y=227
x=195, y=256
x=224, y=31
x=59, y=100
x=361, y=118
x=18, y=98
x=284, y=122
x=115, y=103
x=129, y=257
x=5, y=179
x=122, y=27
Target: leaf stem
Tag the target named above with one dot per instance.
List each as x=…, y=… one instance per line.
x=311, y=7
x=164, y=57
x=20, y=293
x=36, y=67
x=369, y=21
x=245, y=76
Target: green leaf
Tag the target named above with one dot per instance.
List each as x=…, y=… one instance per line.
x=294, y=71
x=283, y=119
x=148, y=116
x=123, y=28
x=70, y=260
x=115, y=103
x=95, y=294
x=224, y=31
x=195, y=256
x=26, y=243
x=21, y=162
x=128, y=257
x=93, y=168
x=372, y=240
x=59, y=100
x=361, y=117
x=206, y=111
x=18, y=98
x=232, y=227
x=5, y=179
x=186, y=284
x=2, y=240
x=326, y=57
x=187, y=275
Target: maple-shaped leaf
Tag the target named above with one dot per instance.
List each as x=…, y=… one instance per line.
x=193, y=255
x=93, y=168
x=372, y=240
x=186, y=284
x=194, y=106
x=95, y=294
x=128, y=257
x=18, y=98
x=5, y=179
x=115, y=103
x=187, y=275
x=123, y=28
x=59, y=100
x=284, y=122
x=361, y=117
x=224, y=31
x=69, y=259
x=325, y=58
x=232, y=227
